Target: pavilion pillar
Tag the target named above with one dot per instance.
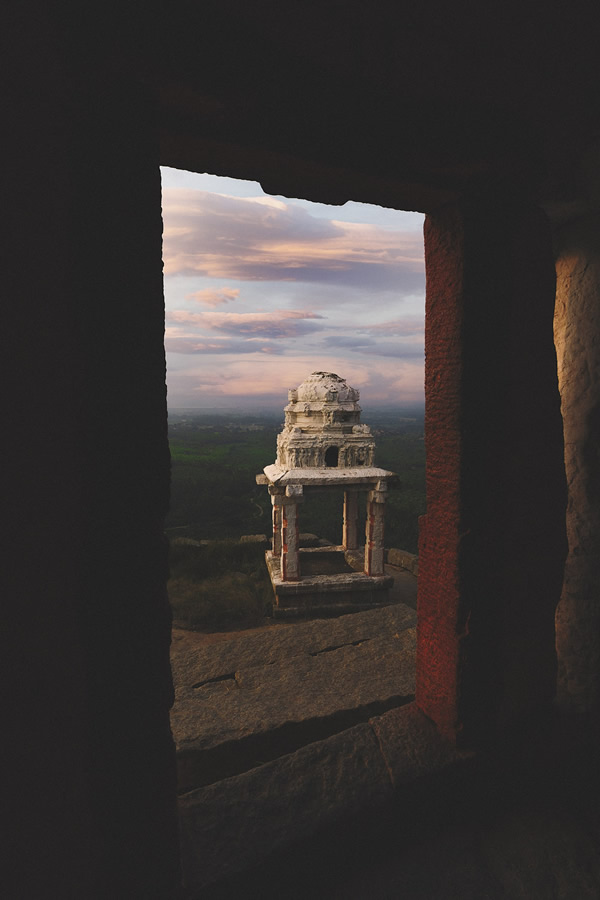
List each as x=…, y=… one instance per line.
x=277, y=495
x=350, y=530
x=290, y=563
x=374, y=547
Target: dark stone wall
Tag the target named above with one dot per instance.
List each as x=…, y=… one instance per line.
x=577, y=333
x=492, y=543
x=93, y=766
x=411, y=113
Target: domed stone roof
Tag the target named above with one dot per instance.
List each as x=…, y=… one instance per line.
x=325, y=386
x=322, y=426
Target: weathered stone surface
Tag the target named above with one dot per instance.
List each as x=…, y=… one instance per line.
x=322, y=426
x=374, y=546
x=577, y=336
x=403, y=560
x=492, y=544
x=230, y=825
x=404, y=589
x=308, y=540
x=322, y=477
x=305, y=638
x=321, y=595
x=254, y=539
x=411, y=744
x=282, y=690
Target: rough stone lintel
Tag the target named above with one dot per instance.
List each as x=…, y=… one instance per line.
x=362, y=477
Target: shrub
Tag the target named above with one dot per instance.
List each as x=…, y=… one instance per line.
x=222, y=584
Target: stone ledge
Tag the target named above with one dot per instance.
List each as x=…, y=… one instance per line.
x=236, y=823
x=402, y=559
x=231, y=825
x=254, y=539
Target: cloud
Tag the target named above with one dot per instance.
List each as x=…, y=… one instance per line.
x=395, y=349
x=405, y=327
x=214, y=297
x=333, y=284
x=190, y=346
x=266, y=380
x=279, y=323
x=263, y=239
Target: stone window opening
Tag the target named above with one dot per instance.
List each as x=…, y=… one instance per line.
x=476, y=675
x=332, y=457
x=477, y=489
x=354, y=522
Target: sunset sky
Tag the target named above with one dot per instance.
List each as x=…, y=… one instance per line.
x=261, y=291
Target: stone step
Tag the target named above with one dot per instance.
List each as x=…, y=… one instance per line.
x=251, y=699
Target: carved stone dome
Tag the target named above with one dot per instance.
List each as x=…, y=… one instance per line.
x=322, y=426
x=324, y=386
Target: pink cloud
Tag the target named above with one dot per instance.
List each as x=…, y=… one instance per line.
x=278, y=323
x=263, y=239
x=268, y=378
x=405, y=327
x=214, y=297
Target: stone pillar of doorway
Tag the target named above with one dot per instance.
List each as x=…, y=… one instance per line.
x=290, y=561
x=350, y=529
x=492, y=544
x=374, y=536
x=577, y=337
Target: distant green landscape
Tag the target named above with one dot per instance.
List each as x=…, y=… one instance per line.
x=214, y=497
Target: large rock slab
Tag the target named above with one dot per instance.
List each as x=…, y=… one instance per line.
x=284, y=642
x=248, y=700
x=228, y=826
x=238, y=822
x=412, y=746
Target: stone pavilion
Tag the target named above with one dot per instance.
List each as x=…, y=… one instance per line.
x=324, y=446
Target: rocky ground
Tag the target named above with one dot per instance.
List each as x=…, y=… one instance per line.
x=284, y=725
x=263, y=693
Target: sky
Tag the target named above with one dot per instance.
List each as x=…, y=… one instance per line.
x=260, y=291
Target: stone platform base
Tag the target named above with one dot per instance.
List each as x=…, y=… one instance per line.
x=317, y=595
